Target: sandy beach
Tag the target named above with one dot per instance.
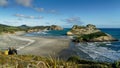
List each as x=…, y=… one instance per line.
x=37, y=45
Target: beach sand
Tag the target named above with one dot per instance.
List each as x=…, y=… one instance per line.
x=45, y=46
x=39, y=46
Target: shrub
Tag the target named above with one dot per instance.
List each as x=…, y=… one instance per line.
x=116, y=64
x=88, y=37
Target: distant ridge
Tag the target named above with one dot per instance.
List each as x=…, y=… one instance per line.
x=13, y=29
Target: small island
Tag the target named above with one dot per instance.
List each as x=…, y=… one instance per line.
x=89, y=33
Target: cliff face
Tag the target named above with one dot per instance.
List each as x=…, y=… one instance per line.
x=79, y=30
x=89, y=33
x=41, y=28
x=55, y=27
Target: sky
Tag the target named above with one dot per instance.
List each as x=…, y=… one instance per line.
x=66, y=13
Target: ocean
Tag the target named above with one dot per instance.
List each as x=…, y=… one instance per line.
x=97, y=51
x=50, y=33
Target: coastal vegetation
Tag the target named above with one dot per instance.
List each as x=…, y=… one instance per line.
x=89, y=37
x=13, y=29
x=31, y=61
x=8, y=29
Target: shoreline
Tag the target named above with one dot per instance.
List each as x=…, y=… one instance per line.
x=46, y=46
x=62, y=48
x=39, y=46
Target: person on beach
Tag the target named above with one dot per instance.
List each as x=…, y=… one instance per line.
x=6, y=52
x=12, y=51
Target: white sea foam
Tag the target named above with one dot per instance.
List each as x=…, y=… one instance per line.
x=99, y=53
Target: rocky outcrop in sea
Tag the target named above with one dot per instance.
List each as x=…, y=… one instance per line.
x=89, y=33
x=55, y=27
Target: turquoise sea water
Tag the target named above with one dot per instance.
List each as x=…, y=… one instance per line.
x=51, y=33
x=115, y=32
x=98, y=51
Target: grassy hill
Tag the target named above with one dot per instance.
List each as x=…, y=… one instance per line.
x=8, y=29
x=31, y=61
x=13, y=29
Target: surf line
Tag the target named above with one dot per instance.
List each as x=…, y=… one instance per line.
x=30, y=41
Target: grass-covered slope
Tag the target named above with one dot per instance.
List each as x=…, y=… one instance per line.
x=8, y=29
x=90, y=37
x=31, y=61
x=13, y=29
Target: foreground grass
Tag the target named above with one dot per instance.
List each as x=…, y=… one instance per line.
x=31, y=61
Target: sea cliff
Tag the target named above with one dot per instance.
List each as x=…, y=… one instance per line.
x=43, y=28
x=89, y=33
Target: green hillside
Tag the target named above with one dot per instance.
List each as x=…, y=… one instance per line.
x=8, y=29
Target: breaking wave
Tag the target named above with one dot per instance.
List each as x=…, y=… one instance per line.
x=99, y=51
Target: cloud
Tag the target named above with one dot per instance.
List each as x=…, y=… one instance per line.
x=53, y=11
x=29, y=4
x=19, y=19
x=28, y=17
x=26, y=3
x=40, y=17
x=3, y=2
x=47, y=22
x=43, y=10
x=34, y=17
x=73, y=20
x=19, y=15
x=39, y=9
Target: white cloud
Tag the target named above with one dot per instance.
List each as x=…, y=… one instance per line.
x=74, y=20
x=29, y=4
x=19, y=15
x=53, y=11
x=3, y=2
x=40, y=17
x=26, y=3
x=39, y=9
x=47, y=23
x=28, y=17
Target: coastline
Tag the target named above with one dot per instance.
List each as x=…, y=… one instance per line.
x=39, y=46
x=61, y=48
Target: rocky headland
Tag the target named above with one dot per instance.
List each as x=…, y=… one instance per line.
x=89, y=33
x=43, y=28
x=12, y=29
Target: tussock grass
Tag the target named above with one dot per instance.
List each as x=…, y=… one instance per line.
x=31, y=61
